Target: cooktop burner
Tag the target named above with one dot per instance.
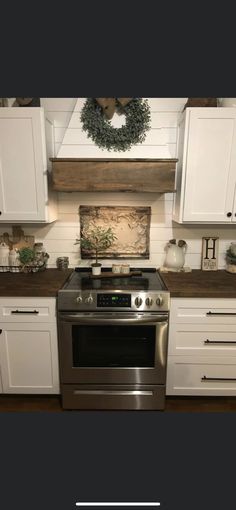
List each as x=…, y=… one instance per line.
x=148, y=280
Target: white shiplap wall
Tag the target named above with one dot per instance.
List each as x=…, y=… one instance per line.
x=59, y=237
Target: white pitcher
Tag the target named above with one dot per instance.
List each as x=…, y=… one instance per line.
x=175, y=256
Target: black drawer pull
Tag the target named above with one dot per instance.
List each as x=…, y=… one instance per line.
x=204, y=378
x=219, y=341
x=0, y=331
x=25, y=311
x=221, y=313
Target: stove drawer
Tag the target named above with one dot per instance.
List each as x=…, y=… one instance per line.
x=113, y=397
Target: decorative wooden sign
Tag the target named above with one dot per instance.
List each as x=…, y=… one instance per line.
x=131, y=225
x=210, y=250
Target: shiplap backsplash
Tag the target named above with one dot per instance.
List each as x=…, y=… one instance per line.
x=59, y=237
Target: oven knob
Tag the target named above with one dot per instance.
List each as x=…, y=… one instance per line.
x=149, y=301
x=79, y=300
x=159, y=300
x=89, y=300
x=138, y=301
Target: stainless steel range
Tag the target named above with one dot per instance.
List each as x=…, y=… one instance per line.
x=113, y=334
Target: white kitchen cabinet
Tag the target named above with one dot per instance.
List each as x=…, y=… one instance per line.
x=26, y=141
x=28, y=346
x=202, y=347
x=206, y=168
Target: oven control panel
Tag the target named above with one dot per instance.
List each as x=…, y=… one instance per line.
x=136, y=301
x=113, y=300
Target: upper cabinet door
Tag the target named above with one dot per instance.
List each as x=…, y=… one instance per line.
x=23, y=165
x=208, y=160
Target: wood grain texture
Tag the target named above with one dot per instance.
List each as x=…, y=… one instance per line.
x=199, y=284
x=42, y=284
x=38, y=403
x=113, y=175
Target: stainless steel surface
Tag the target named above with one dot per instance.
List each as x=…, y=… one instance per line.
x=112, y=392
x=128, y=303
x=113, y=318
x=146, y=398
x=113, y=375
x=143, y=301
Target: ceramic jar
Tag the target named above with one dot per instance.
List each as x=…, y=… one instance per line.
x=116, y=268
x=4, y=254
x=125, y=268
x=13, y=258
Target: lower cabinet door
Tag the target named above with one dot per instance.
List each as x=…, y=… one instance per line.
x=29, y=358
x=188, y=375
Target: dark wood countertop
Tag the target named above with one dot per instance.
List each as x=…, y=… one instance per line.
x=215, y=284
x=42, y=284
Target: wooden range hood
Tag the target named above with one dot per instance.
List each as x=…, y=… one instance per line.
x=134, y=175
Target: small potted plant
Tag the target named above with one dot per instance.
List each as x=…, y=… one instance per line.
x=231, y=258
x=97, y=240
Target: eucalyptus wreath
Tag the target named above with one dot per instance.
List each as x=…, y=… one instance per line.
x=105, y=136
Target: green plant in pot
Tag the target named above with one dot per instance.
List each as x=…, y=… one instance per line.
x=231, y=258
x=97, y=240
x=26, y=256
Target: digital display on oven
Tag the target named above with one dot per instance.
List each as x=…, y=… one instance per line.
x=114, y=300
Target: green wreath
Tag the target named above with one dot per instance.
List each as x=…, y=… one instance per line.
x=105, y=136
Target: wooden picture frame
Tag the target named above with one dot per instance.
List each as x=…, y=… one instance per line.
x=131, y=225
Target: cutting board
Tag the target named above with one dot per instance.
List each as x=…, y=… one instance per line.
x=18, y=239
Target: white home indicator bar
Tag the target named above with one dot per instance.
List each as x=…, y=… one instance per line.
x=118, y=504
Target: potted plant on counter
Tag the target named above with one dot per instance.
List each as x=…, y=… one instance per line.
x=231, y=258
x=97, y=240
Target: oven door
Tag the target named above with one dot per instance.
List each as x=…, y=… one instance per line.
x=113, y=348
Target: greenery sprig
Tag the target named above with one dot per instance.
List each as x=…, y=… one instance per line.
x=105, y=136
x=96, y=240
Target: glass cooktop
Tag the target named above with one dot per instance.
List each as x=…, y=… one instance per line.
x=148, y=280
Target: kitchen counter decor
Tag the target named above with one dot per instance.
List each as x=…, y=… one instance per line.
x=99, y=128
x=231, y=258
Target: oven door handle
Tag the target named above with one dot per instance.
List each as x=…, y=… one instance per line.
x=89, y=320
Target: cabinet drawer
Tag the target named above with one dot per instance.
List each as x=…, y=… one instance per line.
x=203, y=311
x=27, y=310
x=202, y=340
x=112, y=397
x=201, y=376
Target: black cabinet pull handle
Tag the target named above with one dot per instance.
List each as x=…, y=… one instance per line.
x=0, y=331
x=219, y=341
x=221, y=313
x=0, y=212
x=26, y=311
x=204, y=378
x=229, y=214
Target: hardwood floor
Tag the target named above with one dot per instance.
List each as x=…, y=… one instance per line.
x=28, y=403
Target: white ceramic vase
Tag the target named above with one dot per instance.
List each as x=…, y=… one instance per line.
x=175, y=256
